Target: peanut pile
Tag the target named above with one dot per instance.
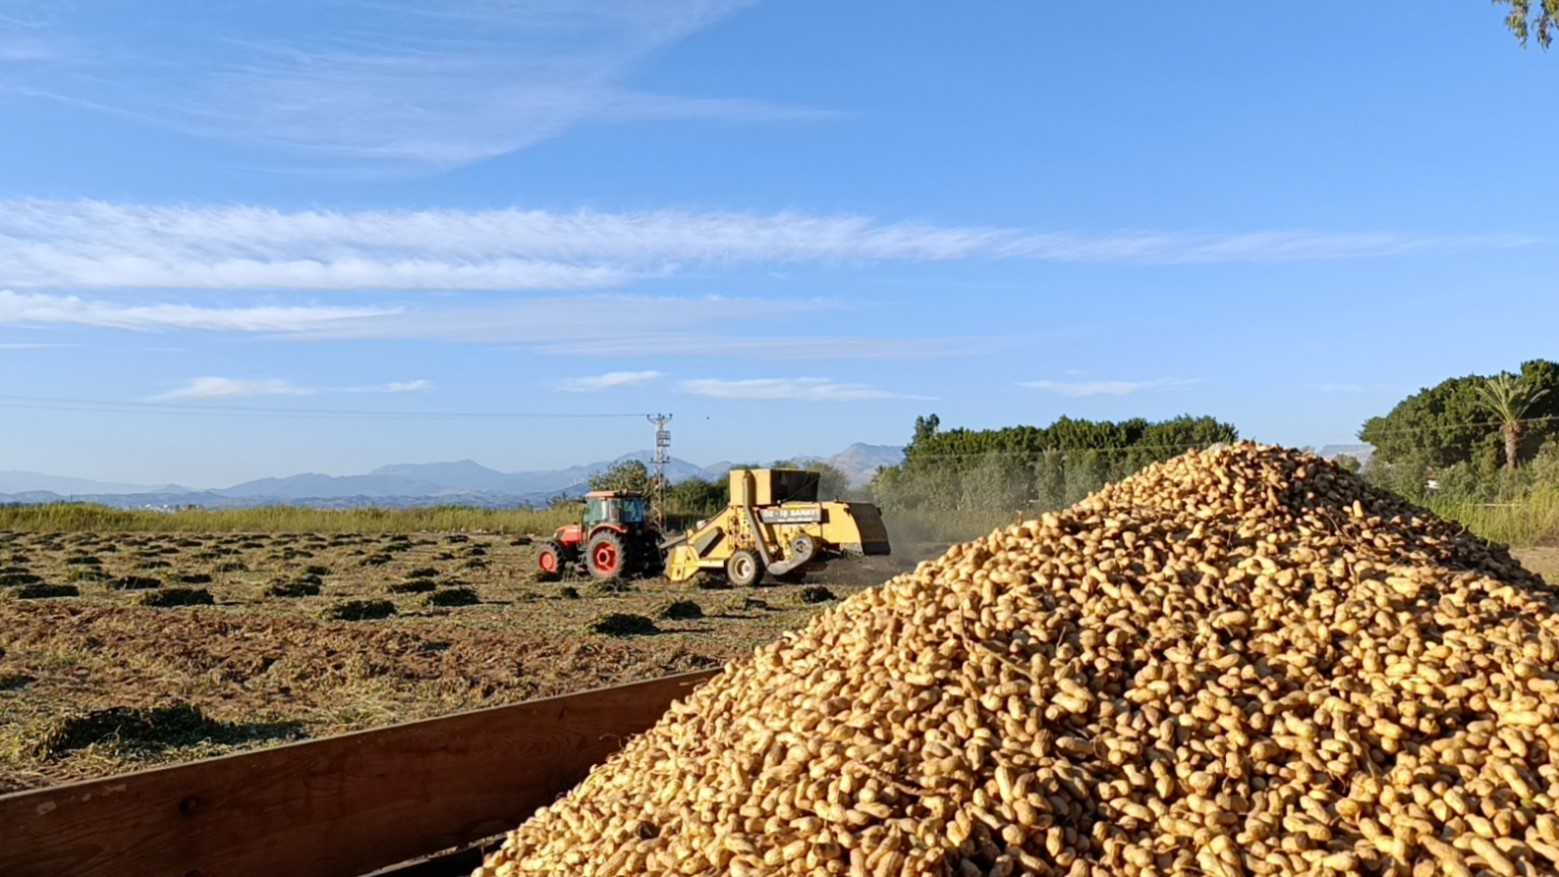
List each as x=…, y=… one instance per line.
x=1241, y=661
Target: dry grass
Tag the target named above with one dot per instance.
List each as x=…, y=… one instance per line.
x=263, y=665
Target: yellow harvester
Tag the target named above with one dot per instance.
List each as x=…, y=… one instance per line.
x=775, y=526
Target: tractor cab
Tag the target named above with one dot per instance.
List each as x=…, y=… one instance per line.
x=611, y=507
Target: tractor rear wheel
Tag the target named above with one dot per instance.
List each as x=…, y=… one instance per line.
x=606, y=556
x=549, y=561
x=744, y=569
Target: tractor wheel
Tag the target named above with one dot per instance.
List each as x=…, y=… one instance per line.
x=606, y=556
x=744, y=569
x=549, y=561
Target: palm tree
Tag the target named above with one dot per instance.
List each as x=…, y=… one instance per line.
x=1509, y=399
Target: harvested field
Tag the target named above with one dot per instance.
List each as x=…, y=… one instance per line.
x=264, y=664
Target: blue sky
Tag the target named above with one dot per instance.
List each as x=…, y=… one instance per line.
x=793, y=225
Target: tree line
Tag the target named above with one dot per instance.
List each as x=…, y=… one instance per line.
x=1479, y=437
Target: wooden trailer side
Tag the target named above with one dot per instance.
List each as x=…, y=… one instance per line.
x=337, y=807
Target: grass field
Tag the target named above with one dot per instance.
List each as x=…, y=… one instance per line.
x=100, y=682
x=1531, y=521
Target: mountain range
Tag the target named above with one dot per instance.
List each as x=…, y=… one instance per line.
x=463, y=482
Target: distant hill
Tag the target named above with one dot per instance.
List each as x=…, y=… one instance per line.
x=29, y=482
x=1362, y=453
x=860, y=462
x=461, y=482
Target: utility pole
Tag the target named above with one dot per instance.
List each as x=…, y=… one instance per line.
x=662, y=457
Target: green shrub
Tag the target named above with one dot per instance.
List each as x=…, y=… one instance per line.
x=624, y=624
x=708, y=581
x=169, y=598
x=747, y=604
x=681, y=610
x=360, y=610
x=155, y=728
x=413, y=586
x=290, y=590
x=610, y=587
x=41, y=591
x=452, y=597
x=816, y=594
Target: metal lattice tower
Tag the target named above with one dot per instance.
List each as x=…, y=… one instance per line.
x=661, y=458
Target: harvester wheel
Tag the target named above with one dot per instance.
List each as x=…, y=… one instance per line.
x=549, y=561
x=606, y=556
x=744, y=569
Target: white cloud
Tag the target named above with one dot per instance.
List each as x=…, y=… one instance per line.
x=42, y=310
x=231, y=388
x=237, y=388
x=94, y=244
x=402, y=387
x=593, y=326
x=803, y=389
x=399, y=81
x=608, y=381
x=1082, y=389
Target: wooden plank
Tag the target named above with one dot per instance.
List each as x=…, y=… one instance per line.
x=338, y=807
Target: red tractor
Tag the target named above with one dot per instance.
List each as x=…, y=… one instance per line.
x=616, y=540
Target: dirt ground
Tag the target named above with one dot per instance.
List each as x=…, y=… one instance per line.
x=97, y=683
x=1543, y=561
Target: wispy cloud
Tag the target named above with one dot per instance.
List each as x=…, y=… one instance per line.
x=1083, y=389
x=608, y=381
x=238, y=388
x=395, y=387
x=591, y=326
x=16, y=50
x=93, y=244
x=397, y=81
x=802, y=389
x=785, y=348
x=27, y=309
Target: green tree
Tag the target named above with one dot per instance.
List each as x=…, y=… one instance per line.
x=1510, y=400
x=697, y=498
x=628, y=476
x=1527, y=19
x=1448, y=424
x=1031, y=467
